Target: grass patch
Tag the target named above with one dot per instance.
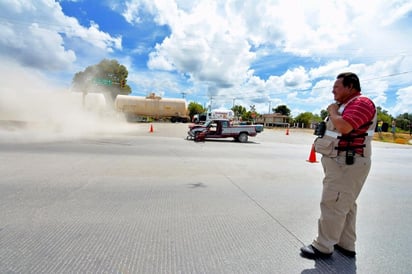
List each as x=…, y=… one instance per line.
x=399, y=138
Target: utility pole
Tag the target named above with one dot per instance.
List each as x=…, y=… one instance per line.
x=183, y=94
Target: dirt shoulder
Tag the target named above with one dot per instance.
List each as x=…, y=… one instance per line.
x=399, y=138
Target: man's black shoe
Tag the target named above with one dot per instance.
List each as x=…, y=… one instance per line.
x=311, y=252
x=345, y=251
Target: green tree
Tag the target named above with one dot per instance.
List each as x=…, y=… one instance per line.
x=195, y=108
x=239, y=111
x=307, y=118
x=249, y=115
x=282, y=109
x=323, y=114
x=105, y=77
x=383, y=115
x=403, y=121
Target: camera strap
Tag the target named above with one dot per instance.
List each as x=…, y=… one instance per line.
x=333, y=134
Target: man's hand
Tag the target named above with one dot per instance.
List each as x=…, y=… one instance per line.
x=340, y=124
x=333, y=109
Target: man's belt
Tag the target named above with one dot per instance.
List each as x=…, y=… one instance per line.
x=338, y=135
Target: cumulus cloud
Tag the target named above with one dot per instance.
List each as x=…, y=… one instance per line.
x=404, y=97
x=33, y=33
x=208, y=50
x=218, y=42
x=259, y=52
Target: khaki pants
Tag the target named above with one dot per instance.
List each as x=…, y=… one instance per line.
x=341, y=187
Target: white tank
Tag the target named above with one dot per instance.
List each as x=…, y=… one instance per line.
x=153, y=106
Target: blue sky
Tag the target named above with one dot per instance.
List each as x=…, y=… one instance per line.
x=264, y=53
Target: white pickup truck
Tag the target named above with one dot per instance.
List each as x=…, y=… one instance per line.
x=222, y=128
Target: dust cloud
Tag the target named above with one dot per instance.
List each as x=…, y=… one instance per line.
x=32, y=109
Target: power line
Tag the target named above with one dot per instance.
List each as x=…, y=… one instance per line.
x=389, y=75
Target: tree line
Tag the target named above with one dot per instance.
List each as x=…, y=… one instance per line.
x=402, y=121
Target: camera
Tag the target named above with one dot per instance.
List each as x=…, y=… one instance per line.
x=320, y=129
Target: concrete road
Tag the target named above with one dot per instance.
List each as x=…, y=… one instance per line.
x=141, y=202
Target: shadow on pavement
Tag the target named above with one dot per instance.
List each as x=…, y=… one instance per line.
x=335, y=264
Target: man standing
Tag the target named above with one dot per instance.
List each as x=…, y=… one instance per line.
x=393, y=129
x=346, y=163
x=380, y=124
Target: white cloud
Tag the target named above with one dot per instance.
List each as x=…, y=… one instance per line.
x=218, y=44
x=397, y=10
x=330, y=69
x=296, y=78
x=212, y=40
x=208, y=50
x=32, y=33
x=404, y=98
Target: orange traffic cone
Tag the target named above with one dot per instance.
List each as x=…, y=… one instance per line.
x=287, y=131
x=312, y=155
x=151, y=128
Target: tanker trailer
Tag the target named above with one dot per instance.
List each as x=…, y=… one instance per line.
x=152, y=106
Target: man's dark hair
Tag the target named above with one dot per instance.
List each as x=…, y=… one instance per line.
x=350, y=79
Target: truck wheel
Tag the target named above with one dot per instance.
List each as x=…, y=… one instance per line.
x=242, y=137
x=196, y=136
